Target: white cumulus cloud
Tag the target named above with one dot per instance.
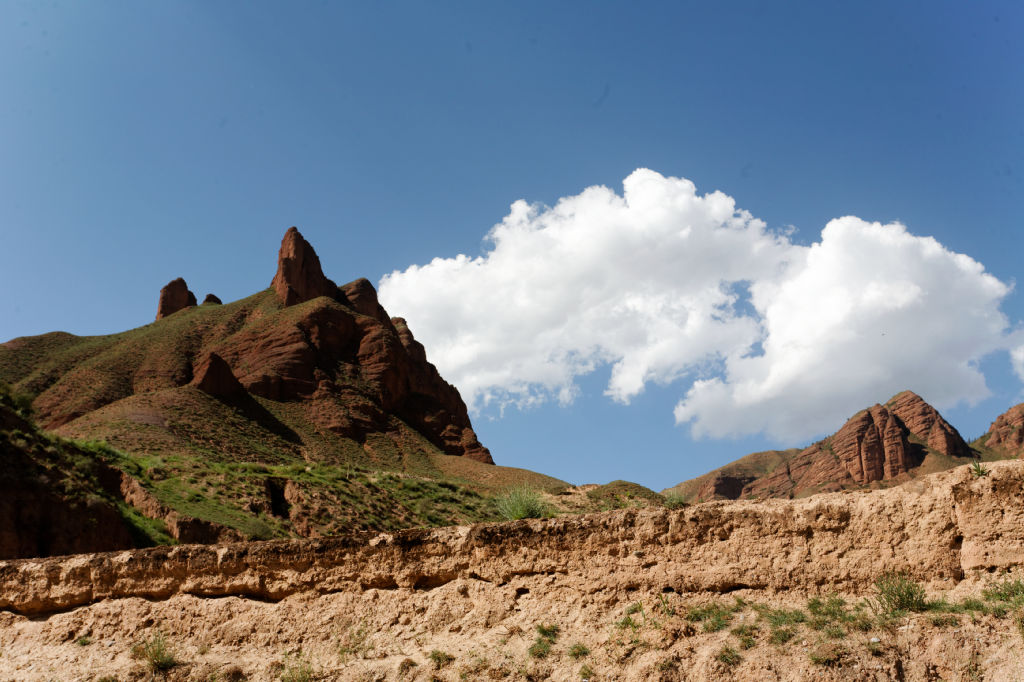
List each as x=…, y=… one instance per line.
x=666, y=285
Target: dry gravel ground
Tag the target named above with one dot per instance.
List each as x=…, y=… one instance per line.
x=488, y=631
x=465, y=603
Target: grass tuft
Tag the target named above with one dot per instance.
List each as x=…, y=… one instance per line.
x=157, y=653
x=440, y=658
x=521, y=503
x=898, y=593
x=728, y=655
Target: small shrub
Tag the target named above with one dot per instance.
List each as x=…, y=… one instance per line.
x=728, y=655
x=978, y=469
x=548, y=632
x=577, y=651
x=521, y=503
x=1008, y=591
x=664, y=606
x=405, y=666
x=627, y=622
x=781, y=635
x=440, y=658
x=586, y=672
x=780, y=617
x=675, y=501
x=635, y=607
x=540, y=648
x=834, y=631
x=745, y=633
x=157, y=653
x=945, y=620
x=898, y=593
x=84, y=640
x=298, y=670
x=828, y=655
x=1018, y=620
x=714, y=616
x=353, y=641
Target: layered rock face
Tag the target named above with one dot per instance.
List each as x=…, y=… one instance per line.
x=1006, y=435
x=881, y=443
x=299, y=277
x=174, y=296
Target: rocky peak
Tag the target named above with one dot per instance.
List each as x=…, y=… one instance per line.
x=211, y=298
x=299, y=277
x=1006, y=435
x=925, y=422
x=880, y=443
x=174, y=297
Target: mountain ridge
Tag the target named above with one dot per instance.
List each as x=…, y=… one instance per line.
x=881, y=445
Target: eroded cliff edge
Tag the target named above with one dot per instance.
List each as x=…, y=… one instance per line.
x=939, y=529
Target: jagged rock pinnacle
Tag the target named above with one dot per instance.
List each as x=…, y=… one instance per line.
x=299, y=277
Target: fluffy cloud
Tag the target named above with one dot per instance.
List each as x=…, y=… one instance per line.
x=665, y=285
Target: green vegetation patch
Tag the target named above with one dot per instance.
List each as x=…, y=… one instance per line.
x=623, y=495
x=522, y=503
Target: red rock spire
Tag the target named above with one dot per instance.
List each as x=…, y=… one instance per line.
x=299, y=277
x=174, y=297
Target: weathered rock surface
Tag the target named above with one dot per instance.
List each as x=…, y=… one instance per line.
x=210, y=298
x=1006, y=435
x=938, y=529
x=477, y=593
x=174, y=296
x=299, y=277
x=214, y=376
x=882, y=443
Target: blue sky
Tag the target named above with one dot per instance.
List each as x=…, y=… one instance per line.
x=145, y=141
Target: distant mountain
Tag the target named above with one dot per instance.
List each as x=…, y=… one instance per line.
x=881, y=445
x=303, y=409
x=1005, y=437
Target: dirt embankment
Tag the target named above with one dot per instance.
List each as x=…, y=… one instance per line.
x=395, y=605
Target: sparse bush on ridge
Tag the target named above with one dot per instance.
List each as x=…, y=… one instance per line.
x=675, y=501
x=521, y=503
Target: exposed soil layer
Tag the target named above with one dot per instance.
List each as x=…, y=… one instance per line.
x=398, y=605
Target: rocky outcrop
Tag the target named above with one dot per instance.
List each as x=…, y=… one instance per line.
x=214, y=376
x=299, y=277
x=174, y=296
x=925, y=422
x=880, y=444
x=353, y=369
x=1006, y=435
x=210, y=298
